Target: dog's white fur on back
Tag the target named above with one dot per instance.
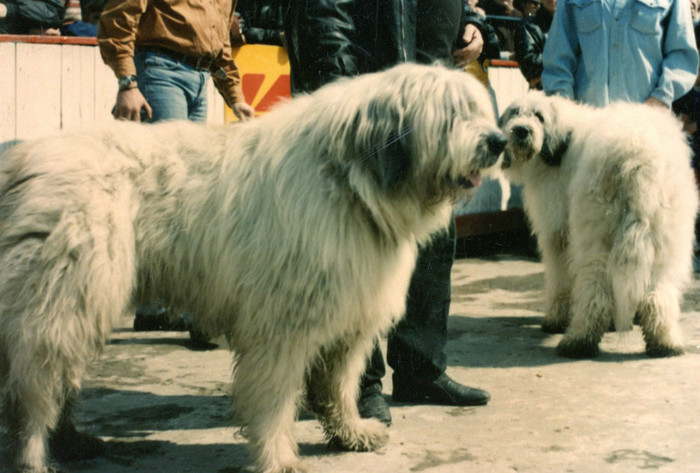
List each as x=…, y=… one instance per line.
x=612, y=200
x=294, y=235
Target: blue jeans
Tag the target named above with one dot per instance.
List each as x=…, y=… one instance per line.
x=175, y=91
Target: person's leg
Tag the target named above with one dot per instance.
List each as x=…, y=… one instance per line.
x=416, y=346
x=371, y=402
x=197, y=98
x=164, y=83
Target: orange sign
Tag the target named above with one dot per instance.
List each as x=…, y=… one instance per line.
x=264, y=76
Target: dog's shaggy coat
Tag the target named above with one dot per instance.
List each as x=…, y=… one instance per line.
x=612, y=200
x=294, y=235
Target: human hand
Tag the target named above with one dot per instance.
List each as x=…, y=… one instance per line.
x=243, y=111
x=129, y=104
x=3, y=10
x=474, y=44
x=654, y=102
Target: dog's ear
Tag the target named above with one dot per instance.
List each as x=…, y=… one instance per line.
x=390, y=163
x=510, y=111
x=381, y=143
x=554, y=146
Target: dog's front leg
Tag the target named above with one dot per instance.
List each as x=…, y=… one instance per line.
x=332, y=388
x=557, y=283
x=267, y=381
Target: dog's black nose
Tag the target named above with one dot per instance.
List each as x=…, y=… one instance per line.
x=520, y=132
x=496, y=143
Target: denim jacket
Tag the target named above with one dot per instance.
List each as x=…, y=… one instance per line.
x=601, y=51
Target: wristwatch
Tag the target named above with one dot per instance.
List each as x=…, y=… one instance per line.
x=125, y=82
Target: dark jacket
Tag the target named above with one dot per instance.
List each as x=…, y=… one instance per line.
x=261, y=21
x=328, y=39
x=22, y=15
x=529, y=43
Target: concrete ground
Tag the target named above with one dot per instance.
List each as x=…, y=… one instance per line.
x=162, y=407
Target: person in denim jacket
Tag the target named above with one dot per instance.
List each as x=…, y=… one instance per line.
x=602, y=51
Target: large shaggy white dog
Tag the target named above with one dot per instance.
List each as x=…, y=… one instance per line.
x=612, y=200
x=294, y=235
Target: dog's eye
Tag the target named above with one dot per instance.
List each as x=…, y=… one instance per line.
x=539, y=116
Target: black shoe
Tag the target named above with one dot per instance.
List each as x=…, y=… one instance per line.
x=154, y=316
x=200, y=341
x=443, y=391
x=372, y=404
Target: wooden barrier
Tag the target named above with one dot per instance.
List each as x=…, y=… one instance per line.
x=54, y=83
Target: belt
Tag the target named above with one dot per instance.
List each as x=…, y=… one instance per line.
x=202, y=63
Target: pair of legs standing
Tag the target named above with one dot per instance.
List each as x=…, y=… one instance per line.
x=416, y=346
x=174, y=91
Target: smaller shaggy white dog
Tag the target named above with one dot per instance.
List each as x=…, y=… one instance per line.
x=294, y=235
x=612, y=200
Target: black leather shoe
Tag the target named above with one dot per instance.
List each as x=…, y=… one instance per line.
x=372, y=404
x=443, y=391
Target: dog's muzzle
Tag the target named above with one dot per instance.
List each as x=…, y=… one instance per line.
x=492, y=147
x=496, y=143
x=520, y=133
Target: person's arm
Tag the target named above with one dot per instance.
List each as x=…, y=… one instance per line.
x=680, y=65
x=561, y=51
x=470, y=44
x=320, y=39
x=227, y=79
x=527, y=52
x=116, y=33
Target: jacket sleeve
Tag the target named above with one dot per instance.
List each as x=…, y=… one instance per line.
x=491, y=48
x=116, y=32
x=226, y=75
x=561, y=54
x=680, y=64
x=320, y=38
x=529, y=56
x=46, y=13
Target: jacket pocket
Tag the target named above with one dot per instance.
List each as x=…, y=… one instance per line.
x=587, y=15
x=648, y=14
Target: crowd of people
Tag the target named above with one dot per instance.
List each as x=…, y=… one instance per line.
x=595, y=52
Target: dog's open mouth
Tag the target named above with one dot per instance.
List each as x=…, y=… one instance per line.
x=472, y=180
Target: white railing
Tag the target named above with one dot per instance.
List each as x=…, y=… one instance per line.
x=62, y=83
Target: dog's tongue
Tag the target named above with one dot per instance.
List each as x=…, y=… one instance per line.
x=475, y=178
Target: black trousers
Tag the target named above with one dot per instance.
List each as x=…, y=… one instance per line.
x=416, y=345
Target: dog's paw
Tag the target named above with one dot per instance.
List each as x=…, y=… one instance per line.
x=28, y=469
x=663, y=351
x=577, y=348
x=368, y=436
x=73, y=445
x=288, y=469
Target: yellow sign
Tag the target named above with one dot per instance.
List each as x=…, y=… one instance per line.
x=264, y=76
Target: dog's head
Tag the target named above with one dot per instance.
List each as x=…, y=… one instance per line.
x=422, y=130
x=534, y=128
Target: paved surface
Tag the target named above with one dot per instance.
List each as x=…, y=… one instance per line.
x=162, y=407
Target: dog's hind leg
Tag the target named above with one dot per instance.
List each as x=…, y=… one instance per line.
x=62, y=292
x=593, y=308
x=332, y=386
x=267, y=383
x=659, y=313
